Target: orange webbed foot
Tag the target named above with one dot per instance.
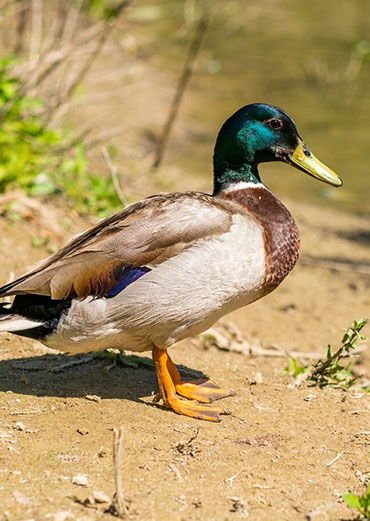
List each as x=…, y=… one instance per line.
x=202, y=390
x=195, y=410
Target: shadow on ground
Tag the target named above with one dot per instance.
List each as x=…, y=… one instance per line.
x=76, y=376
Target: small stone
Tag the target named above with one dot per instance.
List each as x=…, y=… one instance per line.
x=21, y=498
x=238, y=506
x=93, y=398
x=83, y=431
x=101, y=453
x=20, y=426
x=80, y=479
x=100, y=497
x=63, y=515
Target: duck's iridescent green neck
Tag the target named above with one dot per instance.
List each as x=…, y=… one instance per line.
x=236, y=151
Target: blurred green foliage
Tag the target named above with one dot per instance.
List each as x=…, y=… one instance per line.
x=43, y=161
x=100, y=8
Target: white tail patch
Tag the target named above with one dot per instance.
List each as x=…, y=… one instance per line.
x=17, y=323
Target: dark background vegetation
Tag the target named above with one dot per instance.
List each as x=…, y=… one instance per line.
x=85, y=74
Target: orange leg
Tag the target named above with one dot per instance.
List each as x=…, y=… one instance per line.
x=202, y=390
x=168, y=391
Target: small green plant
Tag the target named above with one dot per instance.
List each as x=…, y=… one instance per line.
x=103, y=9
x=361, y=503
x=39, y=242
x=294, y=369
x=329, y=371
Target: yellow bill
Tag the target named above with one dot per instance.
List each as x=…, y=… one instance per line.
x=304, y=160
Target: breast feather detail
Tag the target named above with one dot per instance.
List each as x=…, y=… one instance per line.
x=281, y=235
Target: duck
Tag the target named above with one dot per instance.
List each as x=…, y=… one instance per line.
x=169, y=266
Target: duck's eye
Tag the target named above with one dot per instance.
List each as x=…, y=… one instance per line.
x=275, y=123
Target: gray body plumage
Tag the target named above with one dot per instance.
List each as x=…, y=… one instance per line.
x=207, y=257
x=182, y=296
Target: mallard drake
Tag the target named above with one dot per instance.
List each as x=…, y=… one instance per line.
x=169, y=266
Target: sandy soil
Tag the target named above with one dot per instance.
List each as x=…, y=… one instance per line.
x=271, y=459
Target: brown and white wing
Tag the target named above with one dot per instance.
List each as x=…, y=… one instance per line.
x=144, y=233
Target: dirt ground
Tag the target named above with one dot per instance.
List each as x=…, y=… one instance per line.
x=285, y=453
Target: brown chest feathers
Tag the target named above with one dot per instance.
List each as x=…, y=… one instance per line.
x=281, y=236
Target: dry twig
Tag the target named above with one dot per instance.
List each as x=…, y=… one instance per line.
x=64, y=44
x=36, y=31
x=118, y=503
x=226, y=336
x=339, y=455
x=107, y=28
x=71, y=22
x=21, y=25
x=175, y=470
x=186, y=447
x=114, y=175
x=84, y=359
x=181, y=87
x=230, y=480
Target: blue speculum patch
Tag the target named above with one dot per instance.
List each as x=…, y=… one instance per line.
x=128, y=276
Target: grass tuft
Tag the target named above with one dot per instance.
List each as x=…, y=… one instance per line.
x=329, y=371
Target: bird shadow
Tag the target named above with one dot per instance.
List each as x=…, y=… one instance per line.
x=75, y=376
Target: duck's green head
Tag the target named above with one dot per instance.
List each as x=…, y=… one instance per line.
x=256, y=134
